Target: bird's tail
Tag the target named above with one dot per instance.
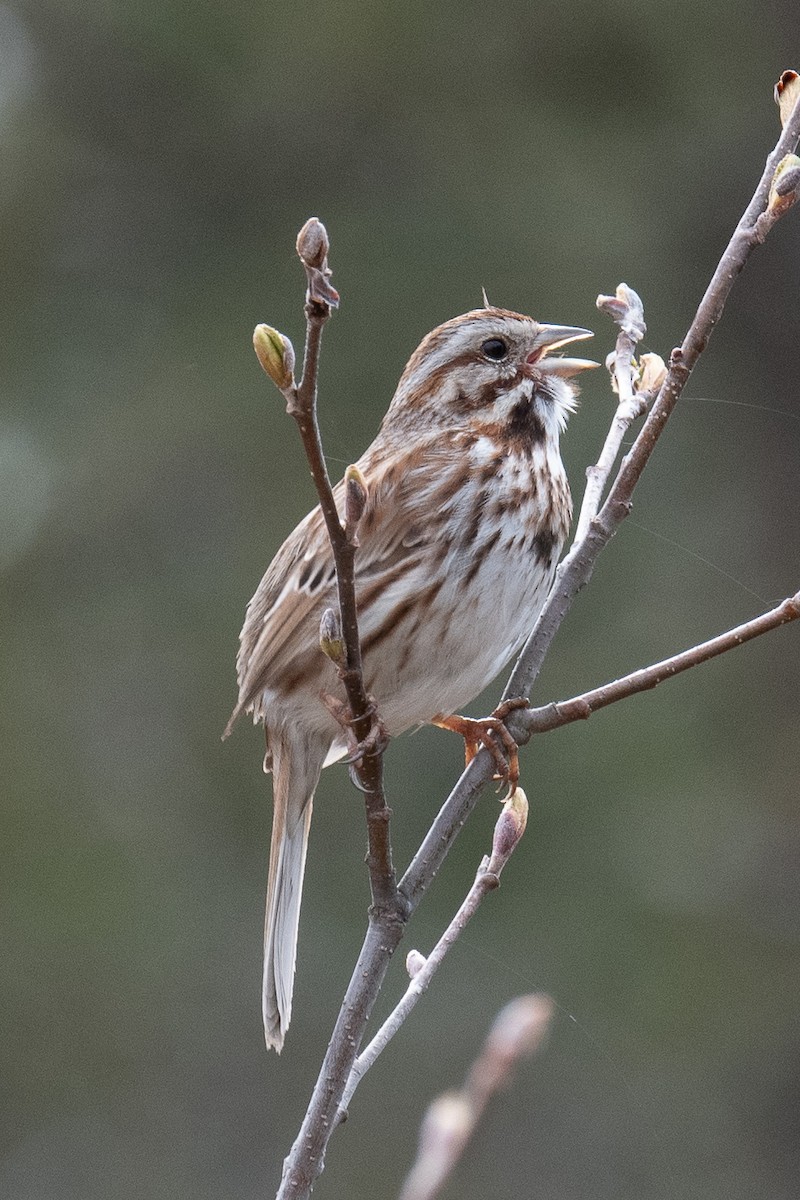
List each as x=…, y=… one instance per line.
x=296, y=773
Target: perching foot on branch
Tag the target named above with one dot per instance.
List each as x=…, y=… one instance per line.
x=376, y=740
x=492, y=733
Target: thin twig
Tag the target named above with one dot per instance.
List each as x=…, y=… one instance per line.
x=627, y=310
x=518, y=1031
x=386, y=920
x=508, y=831
x=576, y=569
x=301, y=403
x=579, y=708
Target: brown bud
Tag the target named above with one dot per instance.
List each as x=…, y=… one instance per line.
x=313, y=243
x=313, y=247
x=276, y=354
x=355, y=498
x=331, y=641
x=787, y=93
x=508, y=830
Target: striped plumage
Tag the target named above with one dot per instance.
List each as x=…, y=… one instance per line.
x=467, y=512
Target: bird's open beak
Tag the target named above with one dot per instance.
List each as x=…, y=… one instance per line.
x=552, y=337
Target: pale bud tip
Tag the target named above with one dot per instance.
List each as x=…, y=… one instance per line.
x=276, y=354
x=787, y=93
x=447, y=1122
x=520, y=1027
x=626, y=309
x=414, y=963
x=652, y=372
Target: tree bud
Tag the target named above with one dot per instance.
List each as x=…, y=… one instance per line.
x=331, y=641
x=785, y=184
x=445, y=1126
x=414, y=963
x=313, y=243
x=652, y=372
x=787, y=91
x=355, y=498
x=508, y=830
x=626, y=309
x=518, y=1031
x=276, y=354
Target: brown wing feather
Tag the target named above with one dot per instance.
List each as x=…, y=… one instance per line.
x=300, y=582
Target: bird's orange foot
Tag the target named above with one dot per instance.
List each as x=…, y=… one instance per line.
x=492, y=733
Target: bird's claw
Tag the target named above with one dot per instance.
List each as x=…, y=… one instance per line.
x=374, y=743
x=492, y=733
x=376, y=740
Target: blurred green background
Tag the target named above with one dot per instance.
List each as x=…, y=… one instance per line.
x=158, y=160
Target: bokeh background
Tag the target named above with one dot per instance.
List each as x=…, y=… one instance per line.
x=158, y=160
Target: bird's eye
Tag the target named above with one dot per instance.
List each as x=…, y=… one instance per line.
x=495, y=349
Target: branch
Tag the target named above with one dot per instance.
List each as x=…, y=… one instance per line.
x=518, y=1031
x=339, y=639
x=339, y=632
x=576, y=569
x=508, y=831
x=306, y=1160
x=563, y=712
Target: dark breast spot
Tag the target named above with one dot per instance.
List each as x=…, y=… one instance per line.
x=524, y=427
x=544, y=545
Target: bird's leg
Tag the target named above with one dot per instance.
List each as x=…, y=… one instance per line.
x=492, y=733
x=376, y=740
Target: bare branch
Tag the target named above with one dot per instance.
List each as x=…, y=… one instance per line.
x=563, y=712
x=576, y=569
x=508, y=831
x=339, y=639
x=277, y=357
x=518, y=1031
x=306, y=1160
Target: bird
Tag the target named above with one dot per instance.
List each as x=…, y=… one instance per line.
x=467, y=510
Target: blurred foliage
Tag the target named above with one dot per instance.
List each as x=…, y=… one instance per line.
x=158, y=161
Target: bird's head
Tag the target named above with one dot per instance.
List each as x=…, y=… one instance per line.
x=490, y=370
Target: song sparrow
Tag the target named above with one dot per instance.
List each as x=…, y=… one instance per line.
x=467, y=512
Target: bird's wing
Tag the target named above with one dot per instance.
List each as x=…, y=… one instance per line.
x=279, y=639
